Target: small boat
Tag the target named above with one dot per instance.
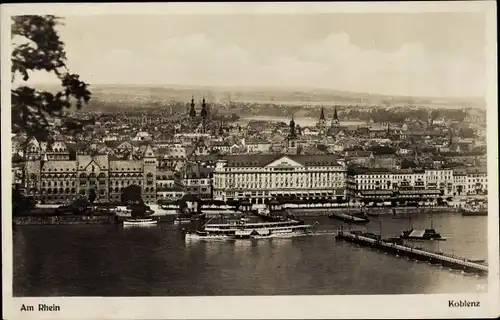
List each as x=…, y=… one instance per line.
x=477, y=261
x=469, y=212
x=426, y=234
x=139, y=222
x=181, y=220
x=474, y=208
x=349, y=218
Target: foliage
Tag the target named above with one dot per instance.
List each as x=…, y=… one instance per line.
x=20, y=203
x=80, y=203
x=92, y=195
x=407, y=163
x=382, y=150
x=42, y=50
x=138, y=210
x=322, y=147
x=132, y=195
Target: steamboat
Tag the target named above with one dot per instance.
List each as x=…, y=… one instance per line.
x=243, y=229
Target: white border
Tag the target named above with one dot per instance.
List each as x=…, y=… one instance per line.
x=256, y=307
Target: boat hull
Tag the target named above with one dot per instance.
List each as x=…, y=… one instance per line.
x=195, y=237
x=243, y=230
x=348, y=218
x=139, y=223
x=423, y=238
x=181, y=221
x=474, y=213
x=281, y=235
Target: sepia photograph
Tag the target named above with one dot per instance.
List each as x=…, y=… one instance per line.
x=258, y=160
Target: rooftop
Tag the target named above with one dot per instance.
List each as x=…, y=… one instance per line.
x=261, y=160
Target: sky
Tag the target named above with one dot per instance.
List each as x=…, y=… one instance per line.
x=414, y=54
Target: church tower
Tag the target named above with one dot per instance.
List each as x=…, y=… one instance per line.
x=335, y=120
x=192, y=111
x=221, y=129
x=322, y=120
x=204, y=112
x=292, y=138
x=149, y=175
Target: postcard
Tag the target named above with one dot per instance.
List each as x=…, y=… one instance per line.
x=250, y=160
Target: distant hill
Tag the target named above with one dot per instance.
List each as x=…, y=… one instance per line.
x=133, y=94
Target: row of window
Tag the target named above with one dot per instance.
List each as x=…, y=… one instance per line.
x=83, y=191
x=56, y=183
x=266, y=170
x=93, y=182
x=117, y=175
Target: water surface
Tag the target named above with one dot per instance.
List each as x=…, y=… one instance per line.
x=108, y=260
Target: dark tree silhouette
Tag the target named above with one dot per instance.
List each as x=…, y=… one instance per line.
x=37, y=47
x=132, y=195
x=382, y=150
x=407, y=163
x=92, y=195
x=138, y=210
x=322, y=147
x=20, y=203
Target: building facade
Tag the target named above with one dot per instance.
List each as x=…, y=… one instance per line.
x=477, y=182
x=439, y=179
x=398, y=184
x=264, y=177
x=61, y=181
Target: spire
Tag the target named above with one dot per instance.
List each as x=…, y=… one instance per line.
x=322, y=115
x=293, y=134
x=221, y=130
x=204, y=112
x=335, y=120
x=192, y=111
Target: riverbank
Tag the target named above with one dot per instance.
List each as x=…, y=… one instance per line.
x=63, y=220
x=311, y=212
x=169, y=217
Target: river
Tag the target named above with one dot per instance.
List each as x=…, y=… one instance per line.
x=307, y=122
x=108, y=260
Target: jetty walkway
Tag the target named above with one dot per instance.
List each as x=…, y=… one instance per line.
x=418, y=254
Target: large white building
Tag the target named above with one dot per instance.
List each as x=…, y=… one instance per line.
x=477, y=182
x=263, y=177
x=386, y=183
x=408, y=179
x=439, y=179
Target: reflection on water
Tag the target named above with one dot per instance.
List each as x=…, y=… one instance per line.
x=241, y=245
x=113, y=261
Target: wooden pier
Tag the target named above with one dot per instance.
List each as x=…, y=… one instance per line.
x=418, y=254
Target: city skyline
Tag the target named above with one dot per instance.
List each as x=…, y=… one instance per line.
x=402, y=52
x=188, y=161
